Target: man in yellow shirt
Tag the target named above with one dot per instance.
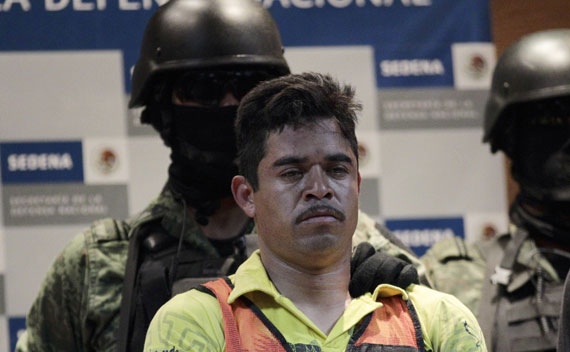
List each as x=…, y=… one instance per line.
x=298, y=159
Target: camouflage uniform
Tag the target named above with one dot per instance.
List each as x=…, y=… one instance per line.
x=458, y=268
x=461, y=269
x=78, y=306
x=512, y=283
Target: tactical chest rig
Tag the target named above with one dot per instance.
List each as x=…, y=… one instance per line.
x=519, y=309
x=151, y=278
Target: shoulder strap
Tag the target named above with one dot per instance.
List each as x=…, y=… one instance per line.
x=243, y=315
x=500, y=262
x=417, y=326
x=564, y=329
x=222, y=289
x=489, y=294
x=127, y=301
x=504, y=272
x=395, y=326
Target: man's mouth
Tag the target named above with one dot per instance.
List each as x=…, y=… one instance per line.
x=320, y=213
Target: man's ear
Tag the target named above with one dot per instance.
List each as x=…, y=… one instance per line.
x=243, y=195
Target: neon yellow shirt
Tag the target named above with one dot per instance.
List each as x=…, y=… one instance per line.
x=192, y=321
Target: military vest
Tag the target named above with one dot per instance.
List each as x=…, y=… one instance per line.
x=159, y=266
x=519, y=309
x=393, y=327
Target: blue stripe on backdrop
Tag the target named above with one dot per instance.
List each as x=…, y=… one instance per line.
x=399, y=30
x=16, y=326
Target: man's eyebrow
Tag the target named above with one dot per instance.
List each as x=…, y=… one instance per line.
x=295, y=160
x=342, y=157
x=289, y=160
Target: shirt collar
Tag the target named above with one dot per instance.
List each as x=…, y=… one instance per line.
x=251, y=276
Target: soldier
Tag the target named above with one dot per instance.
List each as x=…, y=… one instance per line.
x=198, y=58
x=513, y=283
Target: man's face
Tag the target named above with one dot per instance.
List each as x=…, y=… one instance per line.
x=306, y=206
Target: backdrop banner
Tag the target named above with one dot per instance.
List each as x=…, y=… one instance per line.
x=71, y=151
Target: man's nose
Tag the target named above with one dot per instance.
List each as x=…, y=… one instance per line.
x=228, y=99
x=317, y=186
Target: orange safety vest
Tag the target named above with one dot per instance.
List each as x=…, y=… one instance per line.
x=393, y=327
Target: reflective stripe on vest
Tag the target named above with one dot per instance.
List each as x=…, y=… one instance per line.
x=393, y=327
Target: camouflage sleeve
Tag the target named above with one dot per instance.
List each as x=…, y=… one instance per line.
x=456, y=267
x=368, y=231
x=54, y=323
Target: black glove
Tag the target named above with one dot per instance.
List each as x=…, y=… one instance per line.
x=369, y=269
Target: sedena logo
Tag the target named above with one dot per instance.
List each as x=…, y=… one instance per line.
x=41, y=162
x=44, y=161
x=420, y=234
x=399, y=68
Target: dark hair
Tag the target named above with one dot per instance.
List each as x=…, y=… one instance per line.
x=295, y=100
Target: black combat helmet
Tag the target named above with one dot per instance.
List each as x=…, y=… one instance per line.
x=534, y=68
x=206, y=34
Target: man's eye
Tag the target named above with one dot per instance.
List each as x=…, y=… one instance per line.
x=339, y=171
x=290, y=174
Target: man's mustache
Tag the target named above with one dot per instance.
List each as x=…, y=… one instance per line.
x=320, y=210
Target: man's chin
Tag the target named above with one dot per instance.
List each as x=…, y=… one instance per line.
x=321, y=242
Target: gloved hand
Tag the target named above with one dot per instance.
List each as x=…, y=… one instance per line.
x=369, y=269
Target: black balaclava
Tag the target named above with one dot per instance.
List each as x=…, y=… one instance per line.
x=203, y=153
x=541, y=166
x=203, y=157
